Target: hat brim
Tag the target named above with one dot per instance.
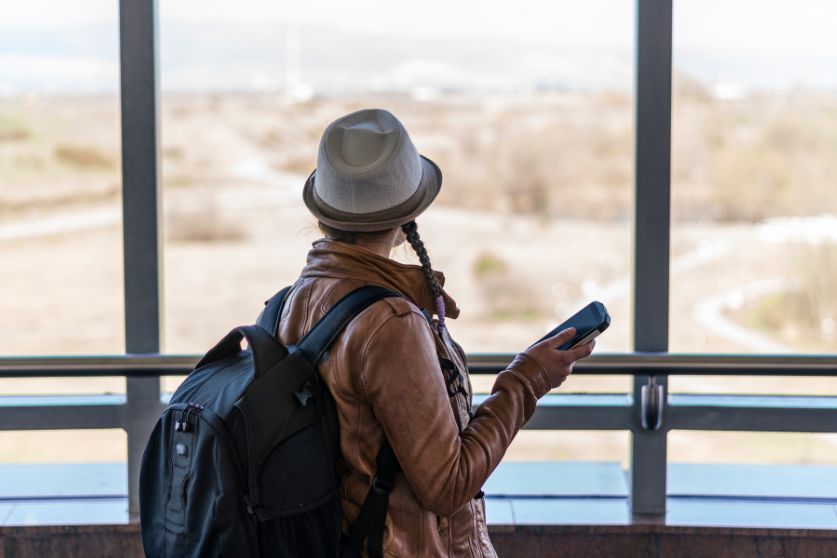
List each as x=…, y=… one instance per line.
x=428, y=189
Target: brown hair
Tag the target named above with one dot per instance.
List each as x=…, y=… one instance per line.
x=349, y=237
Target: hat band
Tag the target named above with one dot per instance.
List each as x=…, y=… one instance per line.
x=404, y=208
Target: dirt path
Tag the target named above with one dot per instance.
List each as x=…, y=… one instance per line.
x=267, y=187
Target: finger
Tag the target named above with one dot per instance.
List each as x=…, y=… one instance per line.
x=583, y=351
x=561, y=337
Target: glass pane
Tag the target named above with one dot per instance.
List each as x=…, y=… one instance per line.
x=63, y=477
x=571, y=445
x=754, y=233
x=575, y=383
x=752, y=464
x=757, y=385
x=527, y=111
x=60, y=179
x=61, y=386
x=63, y=446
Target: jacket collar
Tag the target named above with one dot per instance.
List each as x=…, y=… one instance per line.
x=340, y=260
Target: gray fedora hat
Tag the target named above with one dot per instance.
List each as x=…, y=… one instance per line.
x=369, y=175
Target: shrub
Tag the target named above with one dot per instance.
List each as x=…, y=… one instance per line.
x=83, y=157
x=803, y=313
x=505, y=297
x=204, y=225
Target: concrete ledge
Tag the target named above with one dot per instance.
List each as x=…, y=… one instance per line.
x=661, y=541
x=567, y=541
x=71, y=541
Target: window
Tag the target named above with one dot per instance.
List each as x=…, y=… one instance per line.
x=60, y=180
x=528, y=113
x=754, y=233
x=60, y=230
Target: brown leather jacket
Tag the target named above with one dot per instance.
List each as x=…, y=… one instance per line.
x=384, y=372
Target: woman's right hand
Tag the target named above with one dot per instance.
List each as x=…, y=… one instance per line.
x=559, y=364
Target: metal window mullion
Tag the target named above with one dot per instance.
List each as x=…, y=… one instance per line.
x=60, y=417
x=751, y=419
x=605, y=417
x=141, y=220
x=651, y=237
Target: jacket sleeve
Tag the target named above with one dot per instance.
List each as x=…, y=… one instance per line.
x=401, y=378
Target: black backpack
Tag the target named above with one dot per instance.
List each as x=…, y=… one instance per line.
x=243, y=460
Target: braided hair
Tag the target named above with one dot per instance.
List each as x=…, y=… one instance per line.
x=411, y=232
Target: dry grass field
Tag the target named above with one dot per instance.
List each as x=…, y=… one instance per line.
x=532, y=222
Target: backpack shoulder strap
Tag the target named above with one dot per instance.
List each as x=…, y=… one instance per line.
x=370, y=521
x=269, y=317
x=322, y=335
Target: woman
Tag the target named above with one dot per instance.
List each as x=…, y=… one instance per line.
x=395, y=373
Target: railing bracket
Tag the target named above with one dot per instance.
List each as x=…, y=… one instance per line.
x=652, y=402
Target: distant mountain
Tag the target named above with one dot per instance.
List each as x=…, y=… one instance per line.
x=201, y=56
x=327, y=60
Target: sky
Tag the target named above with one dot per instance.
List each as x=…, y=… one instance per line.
x=55, y=46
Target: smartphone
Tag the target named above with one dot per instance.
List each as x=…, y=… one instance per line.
x=588, y=322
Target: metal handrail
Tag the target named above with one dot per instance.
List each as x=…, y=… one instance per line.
x=608, y=364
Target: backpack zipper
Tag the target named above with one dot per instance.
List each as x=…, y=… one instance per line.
x=185, y=423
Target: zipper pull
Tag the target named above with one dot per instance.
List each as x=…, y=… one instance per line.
x=180, y=421
x=186, y=417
